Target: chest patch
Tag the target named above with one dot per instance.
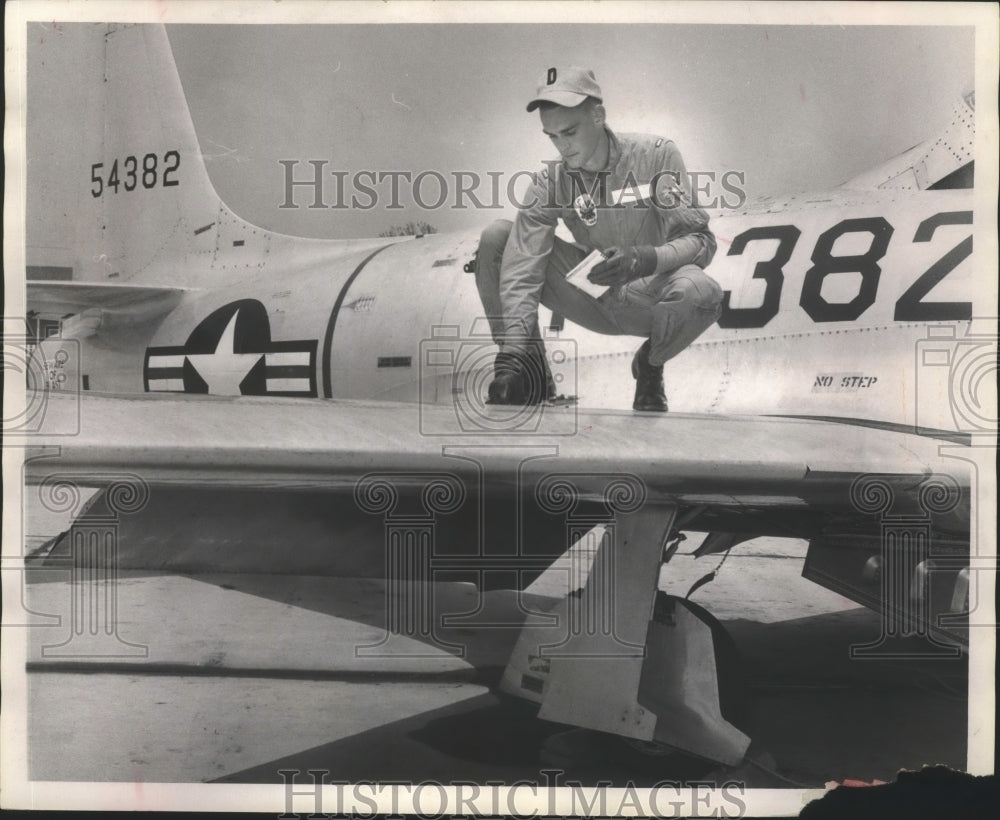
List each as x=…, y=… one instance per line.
x=586, y=209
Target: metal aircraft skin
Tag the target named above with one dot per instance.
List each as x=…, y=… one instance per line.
x=819, y=374
x=855, y=276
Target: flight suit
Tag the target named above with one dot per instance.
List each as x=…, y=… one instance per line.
x=641, y=198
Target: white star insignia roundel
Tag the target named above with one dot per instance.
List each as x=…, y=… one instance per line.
x=231, y=353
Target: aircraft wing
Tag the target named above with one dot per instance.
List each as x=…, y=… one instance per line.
x=263, y=487
x=789, y=469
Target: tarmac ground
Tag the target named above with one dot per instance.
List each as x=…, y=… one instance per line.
x=233, y=678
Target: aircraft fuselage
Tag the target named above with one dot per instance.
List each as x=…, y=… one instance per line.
x=831, y=301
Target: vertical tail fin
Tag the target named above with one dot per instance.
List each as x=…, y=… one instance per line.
x=944, y=161
x=146, y=205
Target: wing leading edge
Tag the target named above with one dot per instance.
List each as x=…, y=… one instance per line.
x=804, y=468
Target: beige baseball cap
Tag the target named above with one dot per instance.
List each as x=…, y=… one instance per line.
x=567, y=87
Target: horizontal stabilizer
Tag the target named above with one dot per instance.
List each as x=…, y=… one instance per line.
x=59, y=299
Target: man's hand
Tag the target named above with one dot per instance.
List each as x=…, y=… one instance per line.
x=622, y=265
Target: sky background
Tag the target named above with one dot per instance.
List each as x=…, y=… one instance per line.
x=794, y=108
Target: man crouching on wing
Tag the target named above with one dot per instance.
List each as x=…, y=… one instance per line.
x=624, y=194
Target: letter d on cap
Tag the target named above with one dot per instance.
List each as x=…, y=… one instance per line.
x=551, y=77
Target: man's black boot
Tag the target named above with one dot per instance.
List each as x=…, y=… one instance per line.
x=649, y=392
x=520, y=378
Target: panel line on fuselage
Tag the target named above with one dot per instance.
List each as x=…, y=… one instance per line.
x=332, y=324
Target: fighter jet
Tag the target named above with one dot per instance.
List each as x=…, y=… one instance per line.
x=259, y=403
